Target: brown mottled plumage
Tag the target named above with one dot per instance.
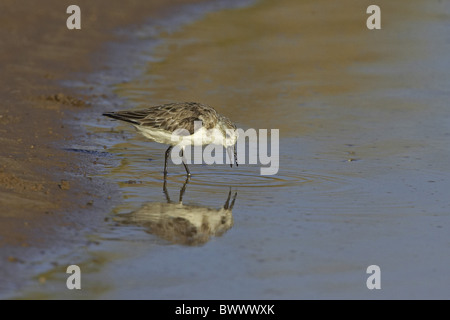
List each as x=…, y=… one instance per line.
x=159, y=123
x=171, y=116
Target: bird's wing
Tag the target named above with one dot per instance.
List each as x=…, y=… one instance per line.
x=170, y=124
x=175, y=116
x=171, y=117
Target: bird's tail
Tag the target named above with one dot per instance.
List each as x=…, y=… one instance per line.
x=120, y=116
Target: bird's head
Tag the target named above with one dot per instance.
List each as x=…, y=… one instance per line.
x=230, y=134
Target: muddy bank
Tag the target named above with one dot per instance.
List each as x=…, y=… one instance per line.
x=46, y=194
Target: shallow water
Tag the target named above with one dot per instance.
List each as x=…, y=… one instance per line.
x=364, y=151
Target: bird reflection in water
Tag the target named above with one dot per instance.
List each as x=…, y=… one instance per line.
x=190, y=225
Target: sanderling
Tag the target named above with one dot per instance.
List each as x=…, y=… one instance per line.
x=176, y=124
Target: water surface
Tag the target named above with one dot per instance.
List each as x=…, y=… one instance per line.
x=364, y=152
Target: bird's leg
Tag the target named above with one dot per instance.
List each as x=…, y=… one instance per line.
x=165, y=190
x=233, y=201
x=235, y=155
x=188, y=173
x=187, y=169
x=183, y=189
x=227, y=205
x=165, y=161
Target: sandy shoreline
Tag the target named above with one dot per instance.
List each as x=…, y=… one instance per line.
x=44, y=191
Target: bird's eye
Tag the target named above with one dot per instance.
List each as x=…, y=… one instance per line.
x=228, y=136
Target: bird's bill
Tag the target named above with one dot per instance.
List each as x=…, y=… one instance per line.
x=235, y=155
x=230, y=152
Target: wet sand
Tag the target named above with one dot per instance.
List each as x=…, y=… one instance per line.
x=46, y=196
